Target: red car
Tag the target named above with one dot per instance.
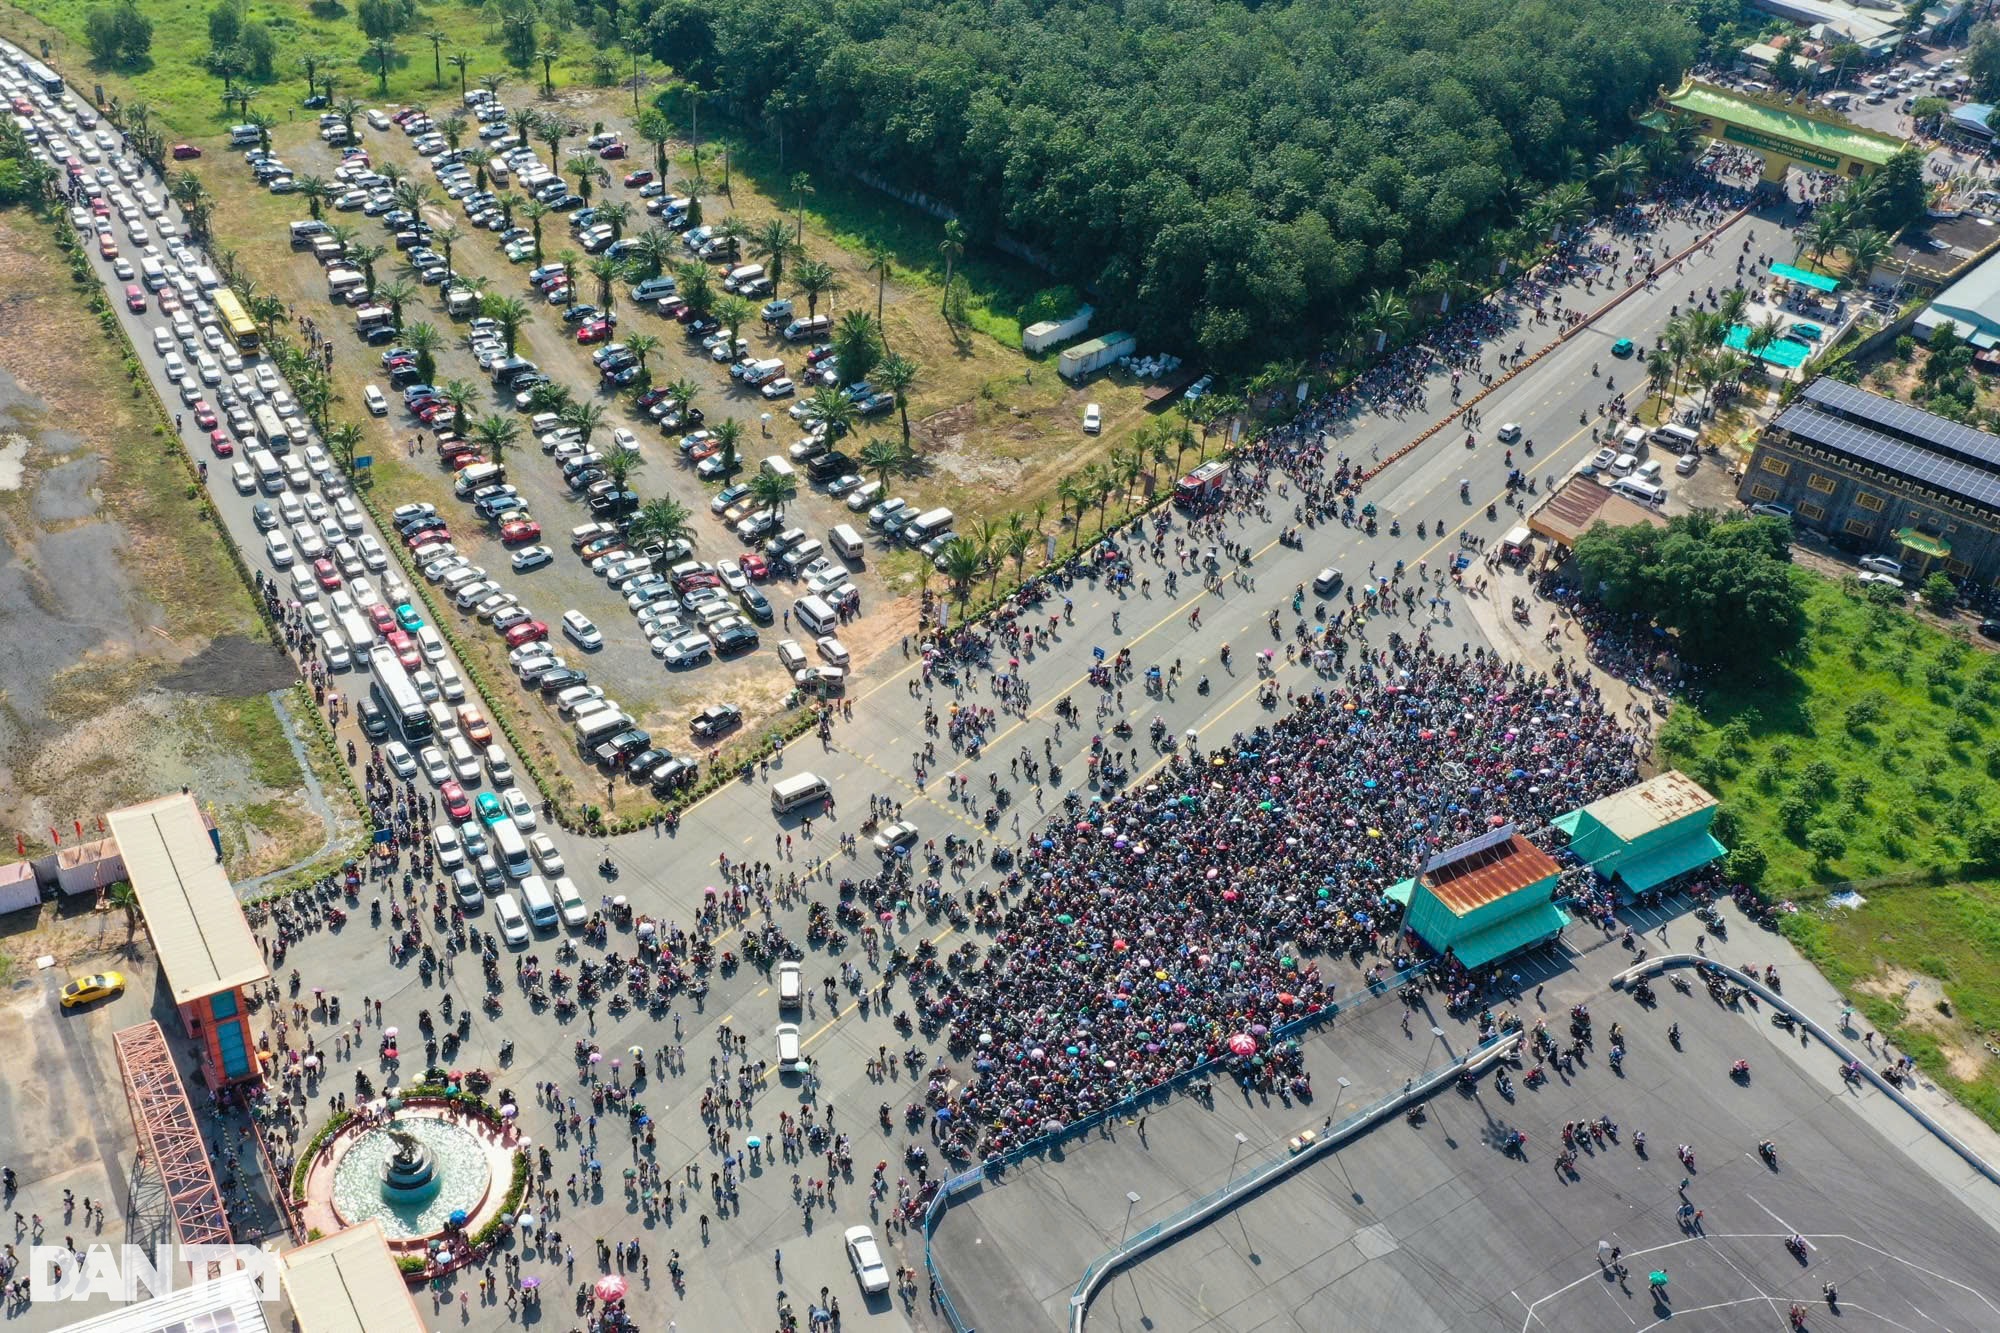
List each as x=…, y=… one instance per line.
x=383, y=618
x=328, y=576
x=204, y=415
x=634, y=179
x=520, y=530
x=673, y=307
x=404, y=645
x=135, y=298
x=596, y=331
x=219, y=441
x=106, y=247
x=455, y=803
x=528, y=631
x=612, y=151
x=755, y=565
x=425, y=536
x=184, y=151
x=170, y=301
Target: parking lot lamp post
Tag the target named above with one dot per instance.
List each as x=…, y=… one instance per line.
x=1240, y=1141
x=1131, y=1202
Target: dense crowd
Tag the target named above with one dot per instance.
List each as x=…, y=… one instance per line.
x=1166, y=926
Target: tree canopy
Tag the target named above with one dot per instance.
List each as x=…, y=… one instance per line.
x=1725, y=587
x=1228, y=176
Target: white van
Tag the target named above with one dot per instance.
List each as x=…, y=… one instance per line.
x=153, y=273
x=1645, y=492
x=845, y=540
x=789, y=794
x=1677, y=438
x=513, y=926
x=779, y=466
x=815, y=614
x=511, y=848
x=926, y=526
x=593, y=729
x=742, y=275
x=540, y=903
x=472, y=478
x=270, y=472
x=569, y=902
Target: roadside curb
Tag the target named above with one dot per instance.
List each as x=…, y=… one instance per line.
x=1705, y=239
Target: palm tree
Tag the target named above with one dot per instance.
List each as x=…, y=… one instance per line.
x=952, y=247
x=548, y=55
x=550, y=396
x=1073, y=491
x=463, y=396
x=773, y=491
x=1017, y=543
x=1101, y=484
x=772, y=244
x=493, y=82
x=1619, y=170
x=642, y=345
x=692, y=188
x=424, y=340
x=1678, y=341
x=126, y=899
x=437, y=38
x=801, y=188
x=607, y=271
x=477, y=157
x=1865, y=249
x=315, y=191
x=897, y=375
x=365, y=258
x=1385, y=314
x=534, y=211
x=460, y=61
x=664, y=520
x=525, y=120
x=1763, y=333
x=382, y=52
x=728, y=434
x=1659, y=374
x=652, y=250
x=691, y=281
x=1732, y=305
x=621, y=463
x=834, y=410
x=814, y=278
x=734, y=312
x=655, y=128
x=345, y=441
x=509, y=204
x=310, y=64
x=509, y=312
x=880, y=261
x=569, y=259
x=586, y=419
x=885, y=458
x=962, y=563
x=615, y=215
x=1822, y=234
x=683, y=392
x=588, y=173
x=444, y=238
x=495, y=435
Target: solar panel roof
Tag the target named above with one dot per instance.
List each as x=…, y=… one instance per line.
x=1975, y=446
x=1942, y=472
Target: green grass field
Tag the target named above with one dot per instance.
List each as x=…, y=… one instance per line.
x=187, y=99
x=1868, y=765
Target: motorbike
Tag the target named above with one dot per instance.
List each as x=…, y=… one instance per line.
x=1740, y=1070
x=1769, y=1152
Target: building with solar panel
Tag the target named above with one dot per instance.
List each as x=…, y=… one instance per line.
x=1880, y=476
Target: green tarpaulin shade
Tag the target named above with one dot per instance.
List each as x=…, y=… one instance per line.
x=1504, y=937
x=1643, y=872
x=1819, y=282
x=1400, y=891
x=1935, y=547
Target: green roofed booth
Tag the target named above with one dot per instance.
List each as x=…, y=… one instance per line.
x=1819, y=282
x=1646, y=836
x=1484, y=899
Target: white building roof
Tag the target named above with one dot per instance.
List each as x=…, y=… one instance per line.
x=349, y=1283
x=198, y=929
x=230, y=1304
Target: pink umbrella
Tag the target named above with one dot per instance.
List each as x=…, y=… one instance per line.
x=610, y=1287
x=1243, y=1044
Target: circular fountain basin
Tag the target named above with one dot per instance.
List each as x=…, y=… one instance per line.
x=462, y=1178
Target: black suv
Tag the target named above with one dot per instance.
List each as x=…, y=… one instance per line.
x=614, y=502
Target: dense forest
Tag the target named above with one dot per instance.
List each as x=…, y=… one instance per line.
x=1226, y=177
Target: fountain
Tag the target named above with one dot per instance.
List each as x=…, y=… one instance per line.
x=411, y=1175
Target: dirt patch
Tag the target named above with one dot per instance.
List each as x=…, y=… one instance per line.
x=68, y=491
x=1919, y=998
x=233, y=667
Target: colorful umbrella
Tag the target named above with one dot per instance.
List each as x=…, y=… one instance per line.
x=610, y=1287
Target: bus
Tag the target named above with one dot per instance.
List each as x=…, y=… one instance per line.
x=47, y=79
x=236, y=321
x=399, y=698
x=271, y=428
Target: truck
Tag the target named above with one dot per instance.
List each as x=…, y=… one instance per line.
x=1087, y=358
x=271, y=428
x=359, y=632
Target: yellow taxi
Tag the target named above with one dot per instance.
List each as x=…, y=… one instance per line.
x=85, y=989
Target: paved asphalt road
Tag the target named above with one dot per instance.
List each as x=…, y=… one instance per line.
x=871, y=755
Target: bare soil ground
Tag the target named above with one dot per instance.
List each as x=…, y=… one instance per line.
x=131, y=660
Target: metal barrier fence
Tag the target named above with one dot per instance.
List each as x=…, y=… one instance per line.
x=1076, y=1129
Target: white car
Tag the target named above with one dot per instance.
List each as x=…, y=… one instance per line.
x=378, y=405
x=732, y=575
x=279, y=549
x=688, y=650
x=531, y=557
x=622, y=438
x=400, y=761
x=1093, y=419
x=451, y=852
x=348, y=514
x=430, y=643
x=436, y=768
x=372, y=554
x=579, y=630
x=519, y=808
x=513, y=926
x=866, y=1256
x=546, y=855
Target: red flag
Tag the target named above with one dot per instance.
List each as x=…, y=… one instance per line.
x=100, y=823
x=56, y=834
x=79, y=828
x=20, y=845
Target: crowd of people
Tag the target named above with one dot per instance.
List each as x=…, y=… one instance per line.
x=1189, y=920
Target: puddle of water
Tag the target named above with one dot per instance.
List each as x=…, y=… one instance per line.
x=13, y=462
